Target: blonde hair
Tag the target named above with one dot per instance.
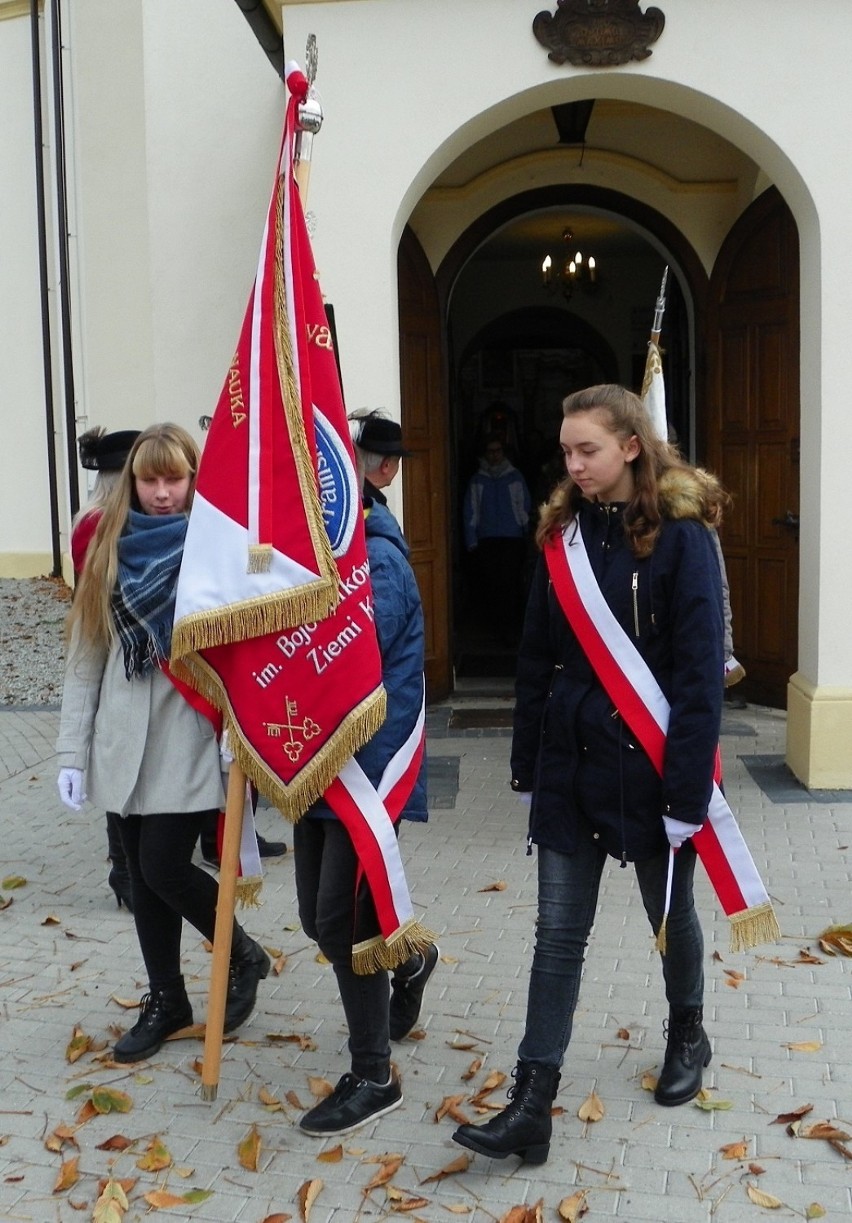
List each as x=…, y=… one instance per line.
x=161, y=450
x=624, y=414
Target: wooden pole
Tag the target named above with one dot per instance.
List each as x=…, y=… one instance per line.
x=225, y=907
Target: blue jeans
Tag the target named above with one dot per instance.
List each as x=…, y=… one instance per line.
x=568, y=887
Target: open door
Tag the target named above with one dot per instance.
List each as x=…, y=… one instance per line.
x=753, y=437
x=425, y=427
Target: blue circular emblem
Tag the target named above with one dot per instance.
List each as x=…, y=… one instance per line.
x=337, y=485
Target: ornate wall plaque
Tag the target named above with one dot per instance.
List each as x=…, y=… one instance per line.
x=598, y=33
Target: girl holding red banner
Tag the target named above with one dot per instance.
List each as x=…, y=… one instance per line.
x=149, y=753
x=628, y=582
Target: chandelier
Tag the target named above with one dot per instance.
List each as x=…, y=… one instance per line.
x=574, y=269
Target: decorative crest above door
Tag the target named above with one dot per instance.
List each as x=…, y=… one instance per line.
x=598, y=33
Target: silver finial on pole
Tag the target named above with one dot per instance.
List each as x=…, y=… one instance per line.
x=660, y=308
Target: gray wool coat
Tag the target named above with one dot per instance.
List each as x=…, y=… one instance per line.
x=143, y=748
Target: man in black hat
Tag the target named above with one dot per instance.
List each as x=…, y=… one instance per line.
x=378, y=449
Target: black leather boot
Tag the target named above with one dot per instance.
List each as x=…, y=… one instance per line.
x=119, y=876
x=249, y=965
x=687, y=1053
x=525, y=1125
x=161, y=1013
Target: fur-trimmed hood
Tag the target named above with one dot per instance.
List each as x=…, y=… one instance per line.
x=691, y=492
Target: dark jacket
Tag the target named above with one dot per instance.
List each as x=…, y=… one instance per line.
x=570, y=746
x=399, y=627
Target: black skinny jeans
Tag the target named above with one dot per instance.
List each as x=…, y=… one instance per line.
x=167, y=888
x=326, y=873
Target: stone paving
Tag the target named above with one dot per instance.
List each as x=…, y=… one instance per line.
x=780, y=1019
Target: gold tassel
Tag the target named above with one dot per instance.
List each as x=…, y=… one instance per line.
x=753, y=927
x=259, y=558
x=248, y=892
x=376, y=953
x=660, y=941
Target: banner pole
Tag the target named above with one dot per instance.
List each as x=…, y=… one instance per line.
x=225, y=908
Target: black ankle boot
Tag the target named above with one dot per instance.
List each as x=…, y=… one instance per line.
x=119, y=876
x=525, y=1125
x=687, y=1053
x=161, y=1013
x=249, y=965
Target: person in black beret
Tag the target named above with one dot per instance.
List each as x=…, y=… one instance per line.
x=378, y=448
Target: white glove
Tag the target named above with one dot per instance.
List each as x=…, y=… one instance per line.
x=70, y=783
x=678, y=832
x=225, y=754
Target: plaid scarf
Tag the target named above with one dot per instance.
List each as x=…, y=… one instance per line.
x=143, y=602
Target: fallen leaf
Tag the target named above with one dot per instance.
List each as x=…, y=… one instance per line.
x=5, y=901
x=293, y=1038
x=162, y=1200
x=815, y=1211
x=321, y=959
x=735, y=1150
x=117, y=1143
x=824, y=1130
x=459, y=1208
x=269, y=1101
x=388, y=1170
x=648, y=1081
x=621, y=1034
x=111, y=1204
x=498, y=886
x=68, y=1173
x=795, y=1115
x=592, y=1108
x=110, y=1100
x=278, y=1218
x=574, y=1207
x=13, y=881
x=734, y=977
x=835, y=940
x=449, y=1107
x=157, y=1157
x=308, y=1194
x=58, y=1137
x=51, y=920
x=129, y=1004
x=403, y=1203
x=807, y=957
x=472, y=1070
x=713, y=1105
x=248, y=1151
x=77, y=1045
x=458, y=1165
x=294, y=1101
x=319, y=1087
x=332, y=1156
x=278, y=964
x=803, y=1046
x=763, y=1199
x=524, y=1214
x=756, y=1170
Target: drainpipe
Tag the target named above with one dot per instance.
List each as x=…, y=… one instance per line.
x=62, y=241
x=265, y=32
x=50, y=426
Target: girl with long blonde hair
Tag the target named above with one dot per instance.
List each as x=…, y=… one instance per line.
x=143, y=746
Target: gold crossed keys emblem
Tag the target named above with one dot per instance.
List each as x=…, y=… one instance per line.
x=307, y=728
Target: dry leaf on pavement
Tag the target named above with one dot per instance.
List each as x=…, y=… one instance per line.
x=763, y=1199
x=157, y=1156
x=574, y=1207
x=248, y=1151
x=68, y=1174
x=592, y=1108
x=735, y=1150
x=308, y=1194
x=834, y=940
x=498, y=886
x=458, y=1165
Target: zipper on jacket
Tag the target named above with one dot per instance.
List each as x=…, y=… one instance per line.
x=635, y=589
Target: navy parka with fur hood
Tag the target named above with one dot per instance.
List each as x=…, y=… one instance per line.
x=570, y=747
x=399, y=627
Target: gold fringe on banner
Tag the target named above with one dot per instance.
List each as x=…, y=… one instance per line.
x=259, y=558
x=256, y=617
x=375, y=954
x=248, y=892
x=753, y=927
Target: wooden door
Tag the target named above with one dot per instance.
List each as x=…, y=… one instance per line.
x=753, y=437
x=425, y=424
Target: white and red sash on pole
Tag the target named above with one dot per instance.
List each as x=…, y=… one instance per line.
x=633, y=689
x=370, y=815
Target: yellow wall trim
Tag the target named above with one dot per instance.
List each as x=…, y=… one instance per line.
x=819, y=734
x=25, y=564
x=16, y=8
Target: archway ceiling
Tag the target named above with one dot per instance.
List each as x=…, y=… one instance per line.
x=666, y=143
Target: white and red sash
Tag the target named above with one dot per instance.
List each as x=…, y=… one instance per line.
x=370, y=814
x=632, y=688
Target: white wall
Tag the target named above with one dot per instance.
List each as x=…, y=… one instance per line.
x=25, y=520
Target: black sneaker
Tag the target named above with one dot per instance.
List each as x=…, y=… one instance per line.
x=270, y=849
x=161, y=1013
x=353, y=1102
x=407, y=995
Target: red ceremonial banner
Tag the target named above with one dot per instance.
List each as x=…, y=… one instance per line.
x=274, y=615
